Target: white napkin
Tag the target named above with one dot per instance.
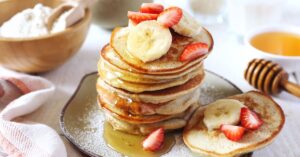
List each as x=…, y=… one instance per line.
x=28, y=139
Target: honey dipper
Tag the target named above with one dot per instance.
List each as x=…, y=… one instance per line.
x=269, y=77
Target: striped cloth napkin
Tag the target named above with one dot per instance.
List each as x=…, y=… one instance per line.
x=21, y=94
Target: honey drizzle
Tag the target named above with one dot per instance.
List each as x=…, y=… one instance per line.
x=131, y=145
x=126, y=104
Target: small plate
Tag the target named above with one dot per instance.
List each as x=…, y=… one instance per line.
x=82, y=121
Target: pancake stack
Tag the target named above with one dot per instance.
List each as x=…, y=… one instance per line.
x=149, y=79
x=139, y=97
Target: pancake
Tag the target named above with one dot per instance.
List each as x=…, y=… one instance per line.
x=127, y=76
x=115, y=81
x=144, y=129
x=138, y=119
x=169, y=63
x=110, y=58
x=139, y=108
x=214, y=143
x=142, y=78
x=160, y=96
x=178, y=106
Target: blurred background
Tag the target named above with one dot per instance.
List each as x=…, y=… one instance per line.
x=240, y=15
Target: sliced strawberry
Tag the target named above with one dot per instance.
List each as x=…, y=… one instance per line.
x=152, y=8
x=250, y=119
x=133, y=23
x=154, y=140
x=232, y=132
x=193, y=51
x=138, y=17
x=170, y=16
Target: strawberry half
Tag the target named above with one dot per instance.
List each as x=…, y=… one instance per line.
x=138, y=17
x=232, y=132
x=152, y=8
x=250, y=119
x=170, y=16
x=154, y=140
x=193, y=51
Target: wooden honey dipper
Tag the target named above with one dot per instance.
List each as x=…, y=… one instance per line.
x=269, y=77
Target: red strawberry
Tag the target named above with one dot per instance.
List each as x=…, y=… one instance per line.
x=232, y=132
x=193, y=51
x=152, y=8
x=170, y=16
x=133, y=23
x=249, y=119
x=154, y=140
x=138, y=17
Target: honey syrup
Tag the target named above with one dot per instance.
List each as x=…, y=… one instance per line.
x=131, y=145
x=278, y=43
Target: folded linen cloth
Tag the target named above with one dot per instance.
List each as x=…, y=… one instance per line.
x=26, y=139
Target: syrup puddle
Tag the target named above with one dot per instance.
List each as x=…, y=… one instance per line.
x=131, y=145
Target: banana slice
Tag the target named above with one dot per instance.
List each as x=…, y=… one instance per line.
x=187, y=26
x=223, y=111
x=149, y=41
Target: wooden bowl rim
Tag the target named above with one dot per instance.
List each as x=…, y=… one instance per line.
x=84, y=20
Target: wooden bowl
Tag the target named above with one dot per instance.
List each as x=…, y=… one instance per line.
x=44, y=53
